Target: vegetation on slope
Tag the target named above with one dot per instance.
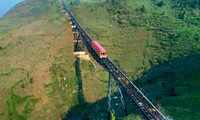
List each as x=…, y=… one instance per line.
x=157, y=38
x=37, y=76
x=156, y=42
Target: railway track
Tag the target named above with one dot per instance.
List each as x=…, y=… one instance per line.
x=147, y=108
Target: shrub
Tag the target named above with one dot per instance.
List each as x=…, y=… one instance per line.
x=161, y=3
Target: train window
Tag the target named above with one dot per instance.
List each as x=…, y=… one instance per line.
x=103, y=53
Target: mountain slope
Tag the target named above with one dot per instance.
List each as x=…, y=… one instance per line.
x=155, y=42
x=33, y=48
x=148, y=38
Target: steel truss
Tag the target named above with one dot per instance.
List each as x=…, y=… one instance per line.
x=116, y=104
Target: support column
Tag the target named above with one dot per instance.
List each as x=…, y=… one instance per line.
x=115, y=99
x=109, y=98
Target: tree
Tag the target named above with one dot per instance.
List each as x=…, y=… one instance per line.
x=161, y=3
x=182, y=15
x=142, y=9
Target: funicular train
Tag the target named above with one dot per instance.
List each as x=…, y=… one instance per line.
x=101, y=52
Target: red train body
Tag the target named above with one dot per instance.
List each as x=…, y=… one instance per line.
x=99, y=49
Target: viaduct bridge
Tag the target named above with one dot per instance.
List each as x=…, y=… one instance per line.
x=149, y=110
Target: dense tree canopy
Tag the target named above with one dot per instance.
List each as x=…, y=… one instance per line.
x=188, y=3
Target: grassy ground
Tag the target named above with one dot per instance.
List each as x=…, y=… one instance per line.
x=37, y=73
x=92, y=92
x=40, y=78
x=139, y=36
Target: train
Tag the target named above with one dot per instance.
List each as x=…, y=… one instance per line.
x=101, y=52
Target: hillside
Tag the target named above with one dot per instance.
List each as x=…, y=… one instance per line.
x=40, y=77
x=157, y=44
x=34, y=61
x=154, y=45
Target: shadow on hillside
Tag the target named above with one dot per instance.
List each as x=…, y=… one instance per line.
x=97, y=110
x=176, y=86
x=169, y=79
x=88, y=111
x=81, y=97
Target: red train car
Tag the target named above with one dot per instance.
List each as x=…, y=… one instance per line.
x=99, y=49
